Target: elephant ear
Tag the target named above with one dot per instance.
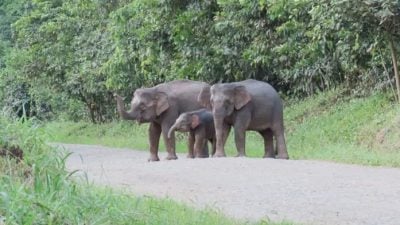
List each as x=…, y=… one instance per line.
x=204, y=97
x=242, y=97
x=162, y=103
x=195, y=121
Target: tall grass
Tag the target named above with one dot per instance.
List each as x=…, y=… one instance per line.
x=328, y=126
x=39, y=190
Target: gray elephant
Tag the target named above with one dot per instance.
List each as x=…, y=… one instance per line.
x=246, y=105
x=160, y=106
x=200, y=125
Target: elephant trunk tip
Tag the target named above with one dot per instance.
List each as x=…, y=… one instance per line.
x=172, y=129
x=121, y=109
x=170, y=133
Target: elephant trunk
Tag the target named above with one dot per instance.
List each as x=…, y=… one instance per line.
x=221, y=131
x=121, y=110
x=172, y=129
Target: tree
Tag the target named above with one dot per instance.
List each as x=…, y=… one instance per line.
x=82, y=51
x=66, y=47
x=387, y=14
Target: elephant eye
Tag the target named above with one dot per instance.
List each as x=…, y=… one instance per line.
x=142, y=107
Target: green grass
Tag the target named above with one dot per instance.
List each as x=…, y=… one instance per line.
x=343, y=130
x=117, y=134
x=39, y=190
x=328, y=126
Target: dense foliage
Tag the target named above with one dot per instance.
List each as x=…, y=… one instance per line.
x=61, y=56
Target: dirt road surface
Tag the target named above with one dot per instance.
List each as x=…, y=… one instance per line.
x=308, y=192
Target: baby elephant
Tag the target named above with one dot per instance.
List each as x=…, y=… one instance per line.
x=200, y=125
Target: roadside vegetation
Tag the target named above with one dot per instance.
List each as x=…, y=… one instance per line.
x=328, y=126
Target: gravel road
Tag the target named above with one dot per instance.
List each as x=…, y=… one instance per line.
x=308, y=192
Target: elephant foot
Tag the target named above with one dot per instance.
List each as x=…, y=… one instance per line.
x=190, y=156
x=241, y=155
x=269, y=155
x=153, y=158
x=202, y=156
x=282, y=156
x=171, y=157
x=219, y=154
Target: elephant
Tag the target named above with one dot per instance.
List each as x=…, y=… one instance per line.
x=160, y=106
x=246, y=105
x=200, y=125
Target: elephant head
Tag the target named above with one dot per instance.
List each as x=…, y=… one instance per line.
x=224, y=98
x=146, y=105
x=184, y=123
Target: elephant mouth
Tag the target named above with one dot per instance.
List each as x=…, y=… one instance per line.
x=141, y=120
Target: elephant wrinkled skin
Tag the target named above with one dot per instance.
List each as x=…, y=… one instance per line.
x=160, y=106
x=246, y=105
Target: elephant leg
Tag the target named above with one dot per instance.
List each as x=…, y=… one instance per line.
x=222, y=135
x=240, y=127
x=214, y=146
x=240, y=141
x=204, y=153
x=191, y=145
x=268, y=143
x=280, y=144
x=154, y=139
x=200, y=144
x=206, y=150
x=201, y=149
x=169, y=142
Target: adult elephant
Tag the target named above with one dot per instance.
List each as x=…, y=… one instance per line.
x=160, y=106
x=246, y=105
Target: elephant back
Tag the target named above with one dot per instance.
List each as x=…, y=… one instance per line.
x=180, y=87
x=262, y=90
x=182, y=94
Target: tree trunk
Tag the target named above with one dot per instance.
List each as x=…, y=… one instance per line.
x=88, y=104
x=395, y=68
x=92, y=113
